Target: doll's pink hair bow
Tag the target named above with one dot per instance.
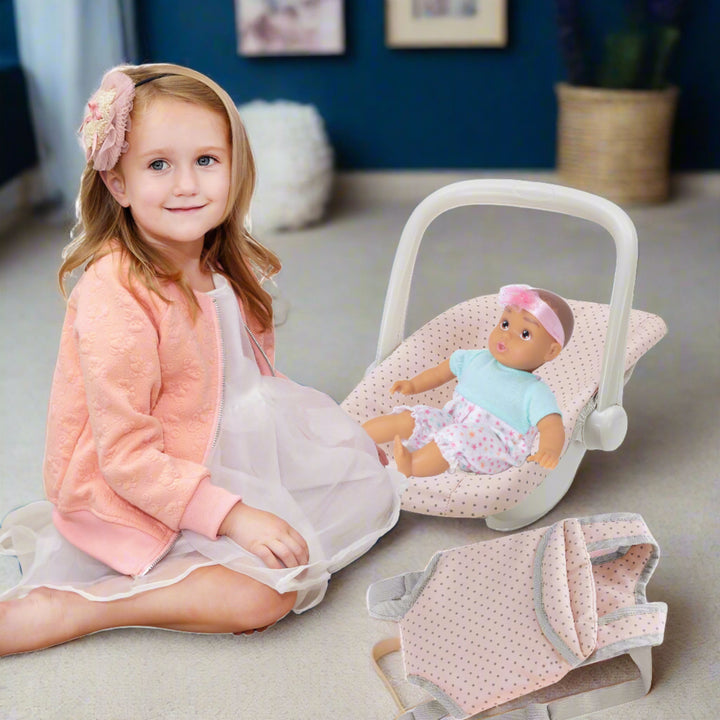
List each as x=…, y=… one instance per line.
x=107, y=120
x=527, y=298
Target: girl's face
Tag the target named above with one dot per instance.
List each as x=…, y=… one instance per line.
x=175, y=176
x=519, y=341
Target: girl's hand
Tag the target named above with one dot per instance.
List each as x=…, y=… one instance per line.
x=266, y=535
x=406, y=387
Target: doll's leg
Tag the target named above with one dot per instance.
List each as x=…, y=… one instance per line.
x=384, y=428
x=424, y=462
x=210, y=600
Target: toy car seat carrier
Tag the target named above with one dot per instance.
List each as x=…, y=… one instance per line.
x=587, y=378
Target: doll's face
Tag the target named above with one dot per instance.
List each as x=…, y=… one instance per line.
x=519, y=341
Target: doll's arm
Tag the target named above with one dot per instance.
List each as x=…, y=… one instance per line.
x=426, y=380
x=552, y=439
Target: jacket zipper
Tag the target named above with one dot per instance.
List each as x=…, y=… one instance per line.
x=161, y=556
x=221, y=406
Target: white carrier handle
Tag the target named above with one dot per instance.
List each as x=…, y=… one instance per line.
x=535, y=196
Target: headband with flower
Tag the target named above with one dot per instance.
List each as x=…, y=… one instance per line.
x=527, y=298
x=107, y=118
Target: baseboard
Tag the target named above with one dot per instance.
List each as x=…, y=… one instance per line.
x=413, y=185
x=377, y=186
x=705, y=184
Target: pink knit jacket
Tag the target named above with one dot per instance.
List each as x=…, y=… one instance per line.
x=134, y=411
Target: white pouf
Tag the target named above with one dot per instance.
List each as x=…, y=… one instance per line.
x=294, y=164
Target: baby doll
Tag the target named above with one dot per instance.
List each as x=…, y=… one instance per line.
x=498, y=406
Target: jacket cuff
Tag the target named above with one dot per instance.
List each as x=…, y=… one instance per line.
x=207, y=509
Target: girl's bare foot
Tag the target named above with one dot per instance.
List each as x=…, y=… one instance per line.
x=403, y=458
x=41, y=619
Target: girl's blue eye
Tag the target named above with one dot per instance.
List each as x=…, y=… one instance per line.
x=157, y=165
x=205, y=160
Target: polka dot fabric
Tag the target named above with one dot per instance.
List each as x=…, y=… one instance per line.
x=484, y=641
x=565, y=593
x=496, y=620
x=469, y=437
x=573, y=377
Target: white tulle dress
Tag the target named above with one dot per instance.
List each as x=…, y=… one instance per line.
x=284, y=448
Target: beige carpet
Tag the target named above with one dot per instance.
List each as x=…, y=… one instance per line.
x=317, y=665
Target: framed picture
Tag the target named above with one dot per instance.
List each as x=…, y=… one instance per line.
x=290, y=27
x=445, y=23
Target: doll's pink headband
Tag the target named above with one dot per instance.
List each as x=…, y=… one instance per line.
x=107, y=119
x=527, y=298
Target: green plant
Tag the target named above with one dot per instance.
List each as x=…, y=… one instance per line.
x=635, y=55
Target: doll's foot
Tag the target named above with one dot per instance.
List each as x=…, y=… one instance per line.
x=403, y=459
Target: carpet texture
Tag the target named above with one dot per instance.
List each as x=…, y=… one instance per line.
x=317, y=666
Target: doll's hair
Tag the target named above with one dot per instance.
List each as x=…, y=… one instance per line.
x=103, y=224
x=561, y=308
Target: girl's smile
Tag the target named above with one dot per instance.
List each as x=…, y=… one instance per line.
x=185, y=209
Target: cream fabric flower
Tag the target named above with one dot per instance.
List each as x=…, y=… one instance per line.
x=107, y=120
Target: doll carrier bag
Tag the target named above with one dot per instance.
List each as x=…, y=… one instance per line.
x=490, y=622
x=587, y=378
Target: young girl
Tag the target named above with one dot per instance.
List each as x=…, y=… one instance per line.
x=498, y=407
x=190, y=485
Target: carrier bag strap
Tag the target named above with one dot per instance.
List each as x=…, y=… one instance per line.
x=589, y=701
x=613, y=534
x=390, y=599
x=431, y=710
x=625, y=630
x=625, y=538
x=561, y=709
x=379, y=651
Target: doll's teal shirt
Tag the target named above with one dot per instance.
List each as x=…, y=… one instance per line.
x=518, y=397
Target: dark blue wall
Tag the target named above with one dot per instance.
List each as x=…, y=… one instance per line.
x=469, y=108
x=20, y=153
x=8, y=41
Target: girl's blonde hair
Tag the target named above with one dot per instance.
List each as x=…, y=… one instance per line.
x=102, y=223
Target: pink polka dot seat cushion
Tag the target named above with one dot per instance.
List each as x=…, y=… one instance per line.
x=573, y=377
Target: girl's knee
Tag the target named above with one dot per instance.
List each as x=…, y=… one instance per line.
x=270, y=606
x=284, y=605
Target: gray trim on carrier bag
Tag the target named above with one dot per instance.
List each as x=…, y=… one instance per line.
x=492, y=622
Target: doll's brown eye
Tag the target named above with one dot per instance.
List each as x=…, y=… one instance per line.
x=525, y=334
x=504, y=324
